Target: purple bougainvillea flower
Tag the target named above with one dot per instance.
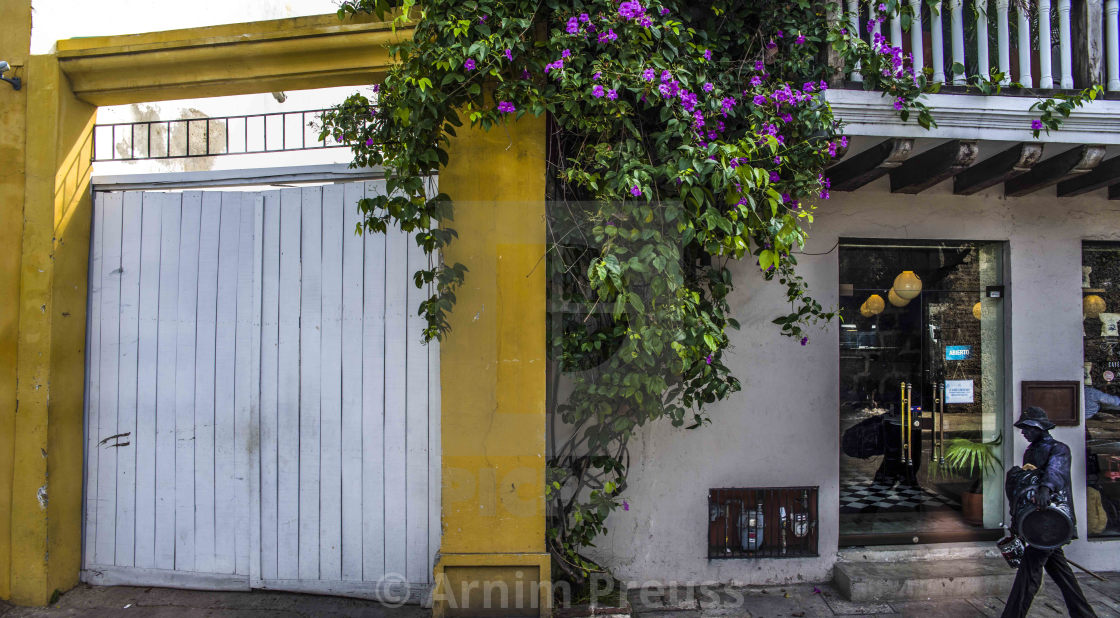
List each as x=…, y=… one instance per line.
x=666, y=75
x=808, y=86
x=804, y=340
x=760, y=99
x=612, y=94
x=566, y=53
x=898, y=103
x=774, y=177
x=756, y=81
x=708, y=359
x=787, y=118
x=573, y=25
x=506, y=107
x=771, y=44
x=369, y=142
x=708, y=87
x=597, y=91
x=648, y=75
x=781, y=34
x=1036, y=125
x=584, y=17
x=468, y=64
x=664, y=11
x=625, y=505
x=645, y=22
x=377, y=87
x=482, y=20
x=597, y=75
x=800, y=39
x=843, y=141
x=509, y=54
x=825, y=194
x=882, y=7
x=525, y=74
x=759, y=65
x=707, y=54
x=777, y=160
x=635, y=191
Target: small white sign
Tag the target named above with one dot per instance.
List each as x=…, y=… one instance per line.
x=958, y=391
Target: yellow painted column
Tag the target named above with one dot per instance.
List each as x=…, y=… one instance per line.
x=15, y=43
x=47, y=455
x=492, y=377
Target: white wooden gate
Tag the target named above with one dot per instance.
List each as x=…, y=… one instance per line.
x=260, y=411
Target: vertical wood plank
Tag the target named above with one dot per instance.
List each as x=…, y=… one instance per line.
x=226, y=497
x=204, y=403
x=245, y=369
x=170, y=205
x=185, y=366
x=416, y=422
x=397, y=282
x=434, y=443
x=270, y=323
x=288, y=388
x=255, y=434
x=147, y=363
x=310, y=344
x=131, y=240
x=93, y=390
x=104, y=543
x=330, y=379
x=373, y=402
x=352, y=337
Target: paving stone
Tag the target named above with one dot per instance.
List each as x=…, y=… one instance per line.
x=949, y=608
x=843, y=607
x=988, y=606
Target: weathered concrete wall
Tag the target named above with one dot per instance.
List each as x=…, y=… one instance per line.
x=782, y=428
x=15, y=41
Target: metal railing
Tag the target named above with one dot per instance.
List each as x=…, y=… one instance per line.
x=209, y=137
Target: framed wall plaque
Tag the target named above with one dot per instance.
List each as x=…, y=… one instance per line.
x=1061, y=400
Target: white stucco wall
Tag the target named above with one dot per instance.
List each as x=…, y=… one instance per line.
x=782, y=428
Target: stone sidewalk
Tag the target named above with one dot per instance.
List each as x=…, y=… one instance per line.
x=129, y=601
x=803, y=600
x=799, y=601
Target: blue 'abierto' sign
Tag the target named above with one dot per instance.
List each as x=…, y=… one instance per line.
x=958, y=352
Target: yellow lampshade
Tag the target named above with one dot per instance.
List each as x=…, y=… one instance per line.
x=907, y=285
x=1092, y=306
x=976, y=310
x=875, y=304
x=864, y=311
x=896, y=300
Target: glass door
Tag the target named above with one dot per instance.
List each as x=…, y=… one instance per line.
x=921, y=380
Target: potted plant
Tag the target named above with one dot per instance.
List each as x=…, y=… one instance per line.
x=966, y=457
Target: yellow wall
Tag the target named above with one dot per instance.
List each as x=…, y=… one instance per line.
x=15, y=42
x=47, y=484
x=493, y=362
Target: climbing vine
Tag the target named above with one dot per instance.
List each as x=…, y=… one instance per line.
x=681, y=137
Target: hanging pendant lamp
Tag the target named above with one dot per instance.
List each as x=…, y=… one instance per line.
x=1092, y=306
x=875, y=304
x=896, y=300
x=864, y=311
x=976, y=313
x=907, y=285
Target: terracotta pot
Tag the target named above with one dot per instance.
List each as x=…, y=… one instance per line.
x=972, y=508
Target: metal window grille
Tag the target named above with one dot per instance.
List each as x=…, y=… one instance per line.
x=209, y=137
x=762, y=522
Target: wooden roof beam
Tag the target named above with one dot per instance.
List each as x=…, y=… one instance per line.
x=933, y=166
x=870, y=164
x=1072, y=162
x=1014, y=161
x=1106, y=175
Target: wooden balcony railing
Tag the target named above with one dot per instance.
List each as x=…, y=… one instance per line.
x=1044, y=44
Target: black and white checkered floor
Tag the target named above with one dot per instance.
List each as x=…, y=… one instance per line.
x=864, y=495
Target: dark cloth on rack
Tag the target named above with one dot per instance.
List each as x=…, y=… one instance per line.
x=1029, y=578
